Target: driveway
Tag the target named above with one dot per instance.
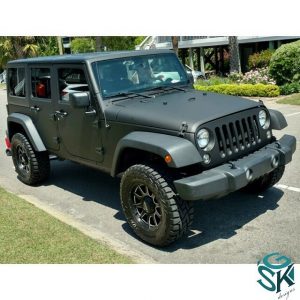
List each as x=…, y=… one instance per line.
x=238, y=228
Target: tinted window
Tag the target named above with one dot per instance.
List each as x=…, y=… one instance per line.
x=71, y=80
x=138, y=73
x=16, y=82
x=41, y=83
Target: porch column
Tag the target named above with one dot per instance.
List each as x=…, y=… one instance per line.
x=202, y=65
x=191, y=58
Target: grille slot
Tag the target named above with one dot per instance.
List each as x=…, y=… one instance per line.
x=237, y=135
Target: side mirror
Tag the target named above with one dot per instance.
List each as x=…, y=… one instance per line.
x=81, y=99
x=190, y=77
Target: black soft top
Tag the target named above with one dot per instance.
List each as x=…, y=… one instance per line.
x=84, y=57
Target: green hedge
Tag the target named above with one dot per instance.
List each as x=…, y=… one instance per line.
x=250, y=90
x=285, y=63
x=290, y=88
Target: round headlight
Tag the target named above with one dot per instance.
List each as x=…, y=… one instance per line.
x=263, y=119
x=203, y=138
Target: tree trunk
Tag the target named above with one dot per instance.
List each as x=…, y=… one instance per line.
x=235, y=64
x=98, y=43
x=175, y=44
x=60, y=47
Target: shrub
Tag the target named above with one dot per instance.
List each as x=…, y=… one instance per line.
x=213, y=80
x=250, y=90
x=285, y=63
x=260, y=59
x=290, y=88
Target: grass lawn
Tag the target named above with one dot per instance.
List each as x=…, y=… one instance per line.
x=29, y=235
x=293, y=99
x=2, y=86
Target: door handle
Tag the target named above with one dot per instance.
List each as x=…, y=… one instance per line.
x=91, y=112
x=34, y=108
x=60, y=114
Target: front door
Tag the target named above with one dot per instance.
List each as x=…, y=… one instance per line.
x=78, y=128
x=42, y=104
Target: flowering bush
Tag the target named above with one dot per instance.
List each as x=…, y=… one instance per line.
x=253, y=77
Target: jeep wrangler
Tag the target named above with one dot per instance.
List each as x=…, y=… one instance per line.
x=135, y=114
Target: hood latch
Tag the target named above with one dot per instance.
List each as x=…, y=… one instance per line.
x=183, y=128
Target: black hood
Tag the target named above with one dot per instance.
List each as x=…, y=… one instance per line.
x=170, y=110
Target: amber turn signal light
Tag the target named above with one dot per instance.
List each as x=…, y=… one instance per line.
x=168, y=159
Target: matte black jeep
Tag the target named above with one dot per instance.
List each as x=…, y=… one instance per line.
x=136, y=114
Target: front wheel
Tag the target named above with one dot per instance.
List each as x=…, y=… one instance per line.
x=152, y=209
x=266, y=181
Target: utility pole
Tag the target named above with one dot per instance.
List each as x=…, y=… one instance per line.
x=59, y=43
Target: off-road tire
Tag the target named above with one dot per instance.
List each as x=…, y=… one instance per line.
x=266, y=181
x=176, y=214
x=38, y=165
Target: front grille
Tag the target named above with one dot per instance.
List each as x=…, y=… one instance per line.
x=237, y=135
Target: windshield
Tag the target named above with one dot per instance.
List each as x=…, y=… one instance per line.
x=139, y=73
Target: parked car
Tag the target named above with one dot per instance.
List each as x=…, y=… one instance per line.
x=170, y=144
x=196, y=74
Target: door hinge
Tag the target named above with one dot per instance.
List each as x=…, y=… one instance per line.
x=100, y=150
x=56, y=140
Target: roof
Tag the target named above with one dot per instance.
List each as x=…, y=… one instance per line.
x=84, y=57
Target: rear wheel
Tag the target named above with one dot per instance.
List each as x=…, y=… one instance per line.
x=32, y=167
x=266, y=181
x=153, y=210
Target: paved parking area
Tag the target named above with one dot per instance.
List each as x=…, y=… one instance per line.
x=238, y=228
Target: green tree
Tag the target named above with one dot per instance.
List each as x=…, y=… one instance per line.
x=83, y=45
x=114, y=43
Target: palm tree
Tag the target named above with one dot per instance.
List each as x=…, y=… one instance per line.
x=14, y=47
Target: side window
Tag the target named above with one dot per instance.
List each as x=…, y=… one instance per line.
x=41, y=83
x=16, y=82
x=71, y=80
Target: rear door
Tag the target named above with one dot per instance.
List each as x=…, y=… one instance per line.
x=42, y=104
x=78, y=128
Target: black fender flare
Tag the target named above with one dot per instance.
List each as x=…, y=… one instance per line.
x=30, y=129
x=182, y=151
x=278, y=120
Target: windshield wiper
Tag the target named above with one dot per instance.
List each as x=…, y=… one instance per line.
x=127, y=95
x=167, y=88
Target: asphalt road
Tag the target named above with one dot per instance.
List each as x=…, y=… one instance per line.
x=238, y=228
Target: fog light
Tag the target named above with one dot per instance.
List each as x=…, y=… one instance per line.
x=249, y=174
x=206, y=158
x=275, y=162
x=268, y=134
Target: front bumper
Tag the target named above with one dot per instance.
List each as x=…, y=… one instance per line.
x=235, y=175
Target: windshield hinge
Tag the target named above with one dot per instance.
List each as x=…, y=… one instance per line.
x=183, y=129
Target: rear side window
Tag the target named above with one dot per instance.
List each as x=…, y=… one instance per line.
x=71, y=80
x=41, y=83
x=16, y=82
